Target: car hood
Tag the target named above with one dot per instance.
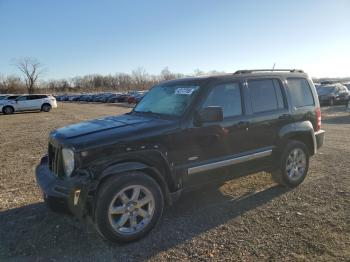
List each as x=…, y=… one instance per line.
x=98, y=125
x=109, y=130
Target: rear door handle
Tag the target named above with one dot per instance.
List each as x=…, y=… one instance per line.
x=285, y=116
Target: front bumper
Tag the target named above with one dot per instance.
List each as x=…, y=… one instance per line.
x=62, y=195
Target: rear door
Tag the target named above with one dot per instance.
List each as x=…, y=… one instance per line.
x=269, y=111
x=35, y=102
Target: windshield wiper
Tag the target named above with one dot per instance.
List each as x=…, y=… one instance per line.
x=149, y=112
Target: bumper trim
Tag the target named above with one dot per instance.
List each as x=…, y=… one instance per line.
x=319, y=139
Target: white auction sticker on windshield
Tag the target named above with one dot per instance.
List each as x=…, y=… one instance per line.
x=184, y=91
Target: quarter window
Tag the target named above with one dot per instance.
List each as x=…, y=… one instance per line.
x=228, y=96
x=300, y=91
x=34, y=97
x=266, y=95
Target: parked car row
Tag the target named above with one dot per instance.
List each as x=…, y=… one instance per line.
x=331, y=94
x=131, y=97
x=16, y=103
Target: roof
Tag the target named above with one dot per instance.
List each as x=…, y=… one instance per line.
x=240, y=73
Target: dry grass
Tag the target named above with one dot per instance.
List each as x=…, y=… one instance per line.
x=247, y=219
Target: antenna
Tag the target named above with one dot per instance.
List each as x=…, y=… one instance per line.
x=273, y=67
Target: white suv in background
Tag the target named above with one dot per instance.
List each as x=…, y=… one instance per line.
x=28, y=103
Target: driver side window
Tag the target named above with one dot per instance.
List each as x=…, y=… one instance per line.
x=227, y=96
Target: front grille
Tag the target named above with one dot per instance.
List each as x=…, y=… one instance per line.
x=55, y=159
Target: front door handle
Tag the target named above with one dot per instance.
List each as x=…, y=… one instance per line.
x=243, y=124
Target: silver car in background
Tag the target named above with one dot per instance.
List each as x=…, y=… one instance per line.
x=13, y=104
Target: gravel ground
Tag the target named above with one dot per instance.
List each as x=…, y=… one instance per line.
x=248, y=218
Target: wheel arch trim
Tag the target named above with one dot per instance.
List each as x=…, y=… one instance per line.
x=300, y=129
x=130, y=166
x=13, y=108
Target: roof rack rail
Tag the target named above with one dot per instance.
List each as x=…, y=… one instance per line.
x=267, y=70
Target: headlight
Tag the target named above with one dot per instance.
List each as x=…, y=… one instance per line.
x=68, y=161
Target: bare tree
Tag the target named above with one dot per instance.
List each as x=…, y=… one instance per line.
x=32, y=70
x=140, y=77
x=166, y=74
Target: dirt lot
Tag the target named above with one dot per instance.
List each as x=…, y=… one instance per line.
x=247, y=219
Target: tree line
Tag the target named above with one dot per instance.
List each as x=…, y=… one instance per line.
x=32, y=70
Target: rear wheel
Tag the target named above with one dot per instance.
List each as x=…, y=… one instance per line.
x=46, y=108
x=7, y=110
x=128, y=207
x=294, y=164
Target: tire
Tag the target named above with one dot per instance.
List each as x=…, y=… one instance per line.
x=132, y=219
x=8, y=110
x=46, y=107
x=292, y=170
x=331, y=102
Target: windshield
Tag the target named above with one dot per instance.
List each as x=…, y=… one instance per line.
x=167, y=100
x=323, y=90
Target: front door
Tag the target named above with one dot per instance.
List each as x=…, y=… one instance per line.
x=22, y=103
x=210, y=144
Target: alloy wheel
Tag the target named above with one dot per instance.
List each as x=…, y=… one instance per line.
x=296, y=164
x=131, y=210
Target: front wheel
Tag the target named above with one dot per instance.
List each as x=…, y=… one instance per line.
x=294, y=164
x=128, y=207
x=7, y=110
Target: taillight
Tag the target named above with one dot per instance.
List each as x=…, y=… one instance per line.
x=318, y=119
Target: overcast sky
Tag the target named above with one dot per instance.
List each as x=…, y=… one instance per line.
x=83, y=37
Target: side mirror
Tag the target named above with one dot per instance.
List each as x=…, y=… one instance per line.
x=211, y=114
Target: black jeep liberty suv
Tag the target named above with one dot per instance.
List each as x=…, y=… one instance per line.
x=121, y=170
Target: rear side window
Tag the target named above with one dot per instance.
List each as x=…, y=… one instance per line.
x=266, y=95
x=300, y=91
x=228, y=96
x=33, y=97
